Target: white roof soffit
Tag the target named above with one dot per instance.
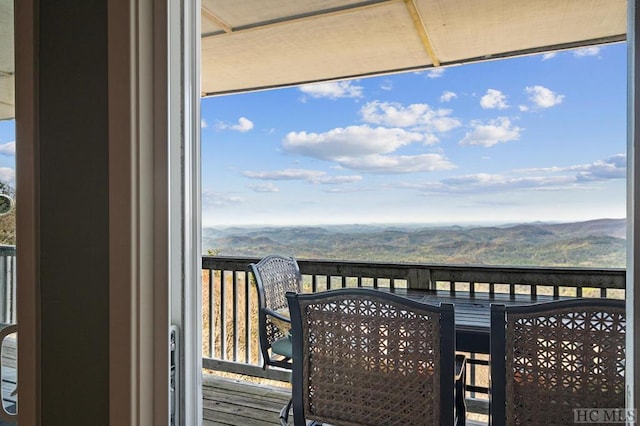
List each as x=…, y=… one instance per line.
x=7, y=84
x=249, y=46
x=252, y=44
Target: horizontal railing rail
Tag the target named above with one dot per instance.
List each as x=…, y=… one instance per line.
x=230, y=332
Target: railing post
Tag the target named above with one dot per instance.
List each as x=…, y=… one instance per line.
x=419, y=278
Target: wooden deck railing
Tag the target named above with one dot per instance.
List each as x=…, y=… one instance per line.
x=230, y=335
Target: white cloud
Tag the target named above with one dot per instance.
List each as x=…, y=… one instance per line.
x=495, y=131
x=494, y=99
x=333, y=180
x=386, y=85
x=264, y=187
x=287, y=174
x=543, y=97
x=219, y=199
x=549, y=55
x=395, y=164
x=311, y=176
x=485, y=182
x=523, y=108
x=353, y=141
x=586, y=51
x=435, y=72
x=366, y=149
x=243, y=125
x=614, y=167
x=203, y=124
x=573, y=177
x=8, y=176
x=415, y=116
x=447, y=96
x=8, y=149
x=332, y=90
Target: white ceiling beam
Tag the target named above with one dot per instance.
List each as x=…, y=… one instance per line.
x=303, y=17
x=422, y=31
x=216, y=20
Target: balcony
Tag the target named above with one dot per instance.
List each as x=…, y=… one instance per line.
x=230, y=334
x=236, y=390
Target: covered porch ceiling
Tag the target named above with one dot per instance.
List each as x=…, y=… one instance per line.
x=247, y=45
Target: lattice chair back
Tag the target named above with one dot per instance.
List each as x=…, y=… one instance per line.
x=365, y=357
x=274, y=277
x=548, y=359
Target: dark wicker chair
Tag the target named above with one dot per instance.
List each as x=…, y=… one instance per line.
x=548, y=359
x=274, y=277
x=366, y=357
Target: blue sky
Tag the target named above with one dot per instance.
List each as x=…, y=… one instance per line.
x=533, y=138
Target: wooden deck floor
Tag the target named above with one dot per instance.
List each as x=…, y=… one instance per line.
x=241, y=403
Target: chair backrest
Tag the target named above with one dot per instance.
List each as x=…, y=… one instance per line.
x=274, y=277
x=548, y=359
x=366, y=357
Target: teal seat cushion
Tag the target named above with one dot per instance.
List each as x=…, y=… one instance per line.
x=283, y=347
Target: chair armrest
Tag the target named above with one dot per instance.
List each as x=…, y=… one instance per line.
x=460, y=389
x=280, y=315
x=280, y=319
x=461, y=365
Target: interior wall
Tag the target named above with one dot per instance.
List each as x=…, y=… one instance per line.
x=91, y=115
x=73, y=211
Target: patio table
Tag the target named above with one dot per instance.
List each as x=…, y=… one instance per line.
x=472, y=312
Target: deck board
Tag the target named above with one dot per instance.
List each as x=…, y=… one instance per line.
x=236, y=402
x=231, y=402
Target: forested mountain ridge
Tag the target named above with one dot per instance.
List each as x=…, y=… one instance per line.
x=595, y=243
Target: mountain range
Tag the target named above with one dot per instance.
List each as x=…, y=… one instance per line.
x=597, y=243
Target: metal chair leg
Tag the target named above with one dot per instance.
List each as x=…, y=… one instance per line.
x=284, y=413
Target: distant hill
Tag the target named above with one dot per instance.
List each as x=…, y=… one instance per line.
x=595, y=243
x=612, y=227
